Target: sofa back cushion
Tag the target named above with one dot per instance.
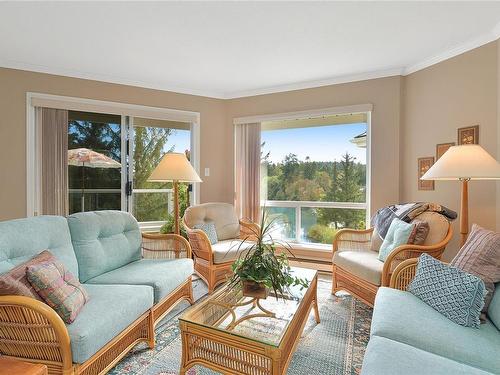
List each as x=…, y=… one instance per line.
x=223, y=215
x=438, y=226
x=494, y=308
x=22, y=239
x=104, y=241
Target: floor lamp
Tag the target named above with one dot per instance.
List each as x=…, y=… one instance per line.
x=174, y=167
x=464, y=163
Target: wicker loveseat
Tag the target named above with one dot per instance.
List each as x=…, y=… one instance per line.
x=133, y=280
x=409, y=337
x=356, y=267
x=213, y=262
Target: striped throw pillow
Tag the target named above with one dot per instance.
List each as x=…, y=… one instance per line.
x=480, y=256
x=59, y=288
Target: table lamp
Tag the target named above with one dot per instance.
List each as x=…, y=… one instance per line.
x=174, y=167
x=464, y=163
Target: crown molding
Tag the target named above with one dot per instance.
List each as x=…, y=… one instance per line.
x=483, y=39
x=469, y=45
x=317, y=83
x=107, y=78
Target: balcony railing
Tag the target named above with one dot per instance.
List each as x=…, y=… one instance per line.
x=297, y=217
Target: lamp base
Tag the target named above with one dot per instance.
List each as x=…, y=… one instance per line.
x=464, y=212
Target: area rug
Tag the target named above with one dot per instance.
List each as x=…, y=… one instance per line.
x=334, y=347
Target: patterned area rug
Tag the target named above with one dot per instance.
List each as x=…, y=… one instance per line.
x=334, y=347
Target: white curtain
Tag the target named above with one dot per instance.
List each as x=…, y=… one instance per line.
x=247, y=170
x=53, y=127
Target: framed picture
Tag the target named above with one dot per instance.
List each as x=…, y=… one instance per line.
x=468, y=135
x=441, y=148
x=423, y=166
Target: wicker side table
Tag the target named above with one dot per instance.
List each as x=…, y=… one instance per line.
x=10, y=366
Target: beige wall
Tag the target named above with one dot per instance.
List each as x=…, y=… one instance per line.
x=383, y=93
x=458, y=92
x=13, y=87
x=410, y=115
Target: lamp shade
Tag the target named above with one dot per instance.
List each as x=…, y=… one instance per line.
x=174, y=167
x=464, y=162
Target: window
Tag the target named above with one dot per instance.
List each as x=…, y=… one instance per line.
x=94, y=184
x=314, y=176
x=153, y=201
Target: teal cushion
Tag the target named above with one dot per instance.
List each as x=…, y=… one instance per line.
x=110, y=310
x=22, y=239
x=494, y=308
x=209, y=229
x=104, y=241
x=456, y=294
x=402, y=317
x=388, y=357
x=163, y=275
x=398, y=234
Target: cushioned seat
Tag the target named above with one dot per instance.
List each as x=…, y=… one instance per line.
x=230, y=250
x=400, y=315
x=363, y=264
x=389, y=357
x=164, y=275
x=110, y=310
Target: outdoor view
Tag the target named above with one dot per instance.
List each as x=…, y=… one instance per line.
x=314, y=179
x=95, y=181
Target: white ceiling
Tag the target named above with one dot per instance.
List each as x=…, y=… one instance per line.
x=237, y=49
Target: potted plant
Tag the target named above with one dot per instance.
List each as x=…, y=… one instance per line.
x=262, y=268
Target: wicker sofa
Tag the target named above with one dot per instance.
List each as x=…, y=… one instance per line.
x=409, y=337
x=133, y=280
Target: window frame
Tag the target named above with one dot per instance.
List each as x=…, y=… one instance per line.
x=298, y=205
x=34, y=99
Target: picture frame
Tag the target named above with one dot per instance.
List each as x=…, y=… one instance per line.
x=468, y=135
x=441, y=148
x=423, y=166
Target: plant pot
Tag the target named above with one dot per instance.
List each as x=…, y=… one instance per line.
x=254, y=290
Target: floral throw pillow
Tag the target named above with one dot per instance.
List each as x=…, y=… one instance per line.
x=59, y=288
x=209, y=229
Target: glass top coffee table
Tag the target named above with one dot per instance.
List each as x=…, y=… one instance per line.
x=234, y=334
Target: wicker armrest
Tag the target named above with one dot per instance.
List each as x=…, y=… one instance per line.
x=165, y=246
x=352, y=239
x=403, y=274
x=200, y=244
x=404, y=252
x=31, y=330
x=249, y=230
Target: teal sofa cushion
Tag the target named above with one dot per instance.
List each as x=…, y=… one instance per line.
x=163, y=275
x=388, y=357
x=456, y=294
x=494, y=308
x=402, y=317
x=22, y=239
x=104, y=241
x=110, y=310
x=398, y=234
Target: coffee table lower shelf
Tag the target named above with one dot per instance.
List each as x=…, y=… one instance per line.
x=232, y=354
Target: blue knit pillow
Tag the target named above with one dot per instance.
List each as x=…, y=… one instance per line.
x=209, y=229
x=456, y=294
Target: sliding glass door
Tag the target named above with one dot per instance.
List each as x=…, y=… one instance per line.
x=111, y=157
x=94, y=162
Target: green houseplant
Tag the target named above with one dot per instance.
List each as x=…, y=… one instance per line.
x=262, y=268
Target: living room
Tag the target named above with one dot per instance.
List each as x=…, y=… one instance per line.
x=150, y=151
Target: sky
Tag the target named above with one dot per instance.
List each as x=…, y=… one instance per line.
x=180, y=139
x=321, y=143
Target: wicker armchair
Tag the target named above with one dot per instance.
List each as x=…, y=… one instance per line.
x=359, y=271
x=213, y=262
x=32, y=331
